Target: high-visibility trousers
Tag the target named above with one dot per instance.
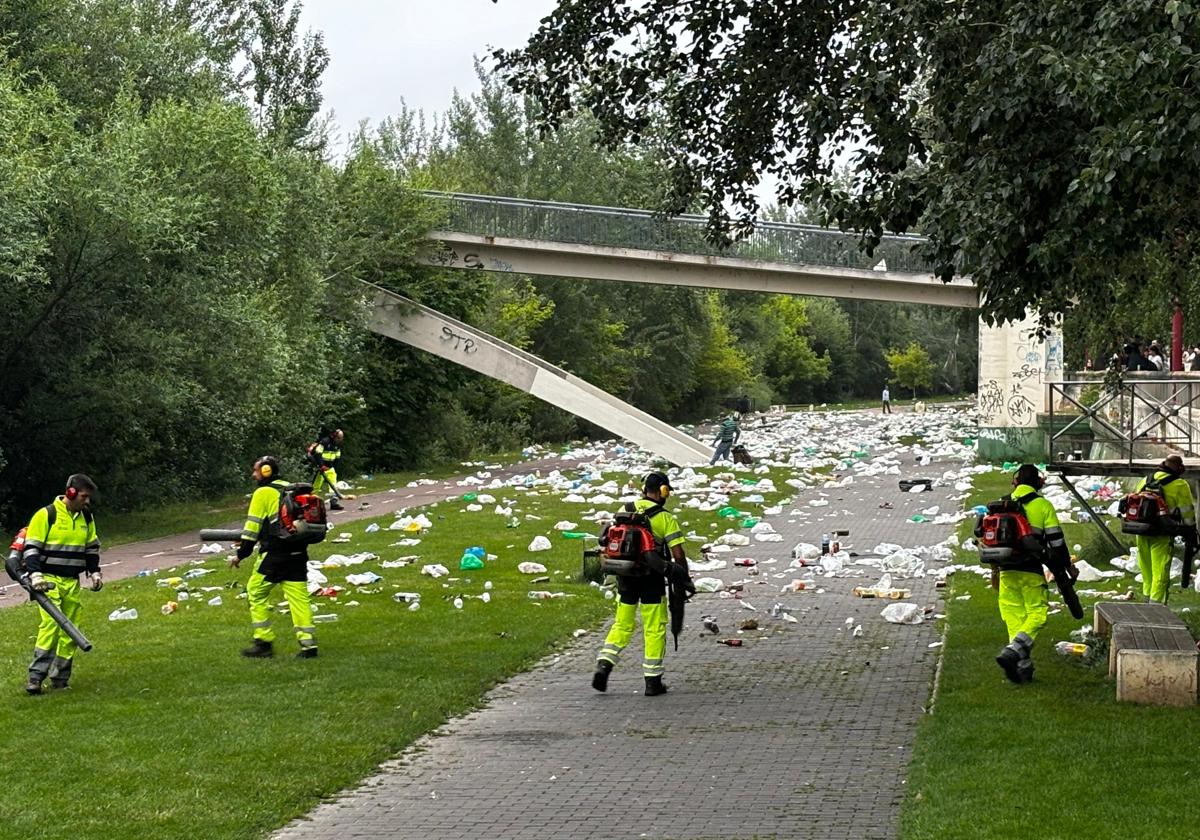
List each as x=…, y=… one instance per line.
x=1024, y=602
x=325, y=482
x=258, y=593
x=54, y=649
x=1154, y=561
x=654, y=635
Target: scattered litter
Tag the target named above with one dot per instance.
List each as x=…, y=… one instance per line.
x=435, y=570
x=372, y=528
x=123, y=614
x=363, y=579
x=530, y=568
x=539, y=543
x=902, y=613
x=211, y=548
x=215, y=601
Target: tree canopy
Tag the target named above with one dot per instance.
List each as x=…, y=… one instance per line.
x=1040, y=146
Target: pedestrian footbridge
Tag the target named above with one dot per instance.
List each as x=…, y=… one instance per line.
x=490, y=233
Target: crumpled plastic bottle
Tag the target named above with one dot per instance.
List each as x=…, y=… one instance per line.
x=1071, y=649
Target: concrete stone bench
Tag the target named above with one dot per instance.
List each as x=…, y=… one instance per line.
x=1154, y=665
x=1109, y=613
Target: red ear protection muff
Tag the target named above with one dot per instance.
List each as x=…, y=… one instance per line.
x=71, y=493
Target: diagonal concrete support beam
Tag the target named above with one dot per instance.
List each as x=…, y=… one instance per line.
x=399, y=318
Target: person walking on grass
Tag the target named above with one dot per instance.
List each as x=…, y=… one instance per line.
x=1154, y=551
x=1023, y=594
x=60, y=545
x=279, y=562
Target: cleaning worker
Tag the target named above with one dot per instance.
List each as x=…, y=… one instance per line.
x=278, y=563
x=1154, y=552
x=1024, y=596
x=324, y=455
x=649, y=590
x=60, y=545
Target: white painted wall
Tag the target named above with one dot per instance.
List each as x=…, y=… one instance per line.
x=1015, y=367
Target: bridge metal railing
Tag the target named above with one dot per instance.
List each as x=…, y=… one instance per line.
x=584, y=224
x=1127, y=418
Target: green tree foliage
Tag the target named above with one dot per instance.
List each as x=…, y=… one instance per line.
x=165, y=262
x=286, y=69
x=1041, y=145
x=911, y=367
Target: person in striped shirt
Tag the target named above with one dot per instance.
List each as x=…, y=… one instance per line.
x=727, y=435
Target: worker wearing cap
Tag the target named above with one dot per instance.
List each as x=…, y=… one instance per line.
x=1154, y=552
x=650, y=591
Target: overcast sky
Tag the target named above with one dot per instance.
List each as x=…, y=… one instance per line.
x=382, y=52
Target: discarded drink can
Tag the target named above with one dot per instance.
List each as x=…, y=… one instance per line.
x=730, y=642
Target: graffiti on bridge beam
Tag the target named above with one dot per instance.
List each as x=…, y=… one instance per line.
x=452, y=259
x=461, y=342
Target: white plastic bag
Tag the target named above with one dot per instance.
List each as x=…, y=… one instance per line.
x=902, y=613
x=539, y=543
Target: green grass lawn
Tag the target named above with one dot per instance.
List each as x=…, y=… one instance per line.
x=168, y=733
x=123, y=527
x=1056, y=758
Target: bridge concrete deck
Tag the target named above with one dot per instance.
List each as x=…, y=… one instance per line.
x=804, y=732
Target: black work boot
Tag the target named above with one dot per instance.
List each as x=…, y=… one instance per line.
x=655, y=687
x=1008, y=658
x=1025, y=670
x=307, y=653
x=600, y=678
x=336, y=505
x=59, y=685
x=33, y=687
x=259, y=650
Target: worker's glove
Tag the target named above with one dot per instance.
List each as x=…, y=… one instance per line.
x=38, y=583
x=1072, y=572
x=97, y=581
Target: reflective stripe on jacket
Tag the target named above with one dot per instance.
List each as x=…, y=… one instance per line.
x=69, y=547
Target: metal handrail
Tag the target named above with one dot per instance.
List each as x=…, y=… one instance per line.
x=1164, y=412
x=588, y=224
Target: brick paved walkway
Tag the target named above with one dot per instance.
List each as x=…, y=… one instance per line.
x=804, y=732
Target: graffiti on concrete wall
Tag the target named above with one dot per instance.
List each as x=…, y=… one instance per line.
x=1015, y=365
